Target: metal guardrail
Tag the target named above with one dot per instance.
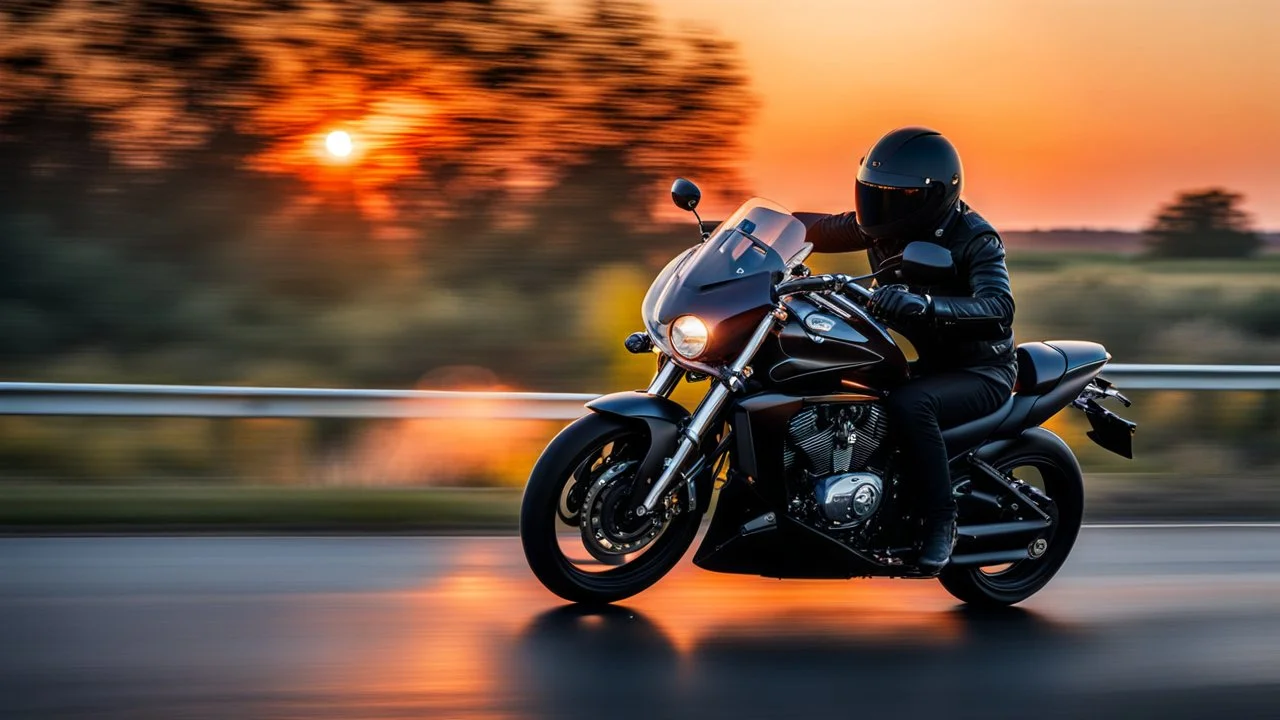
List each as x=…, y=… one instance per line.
x=21, y=398
x=17, y=398
x=1194, y=377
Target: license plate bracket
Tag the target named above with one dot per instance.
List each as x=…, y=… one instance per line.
x=1110, y=431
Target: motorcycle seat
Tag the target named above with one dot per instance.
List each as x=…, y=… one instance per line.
x=1041, y=368
x=1078, y=353
x=965, y=436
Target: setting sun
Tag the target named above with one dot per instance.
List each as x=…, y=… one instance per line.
x=338, y=143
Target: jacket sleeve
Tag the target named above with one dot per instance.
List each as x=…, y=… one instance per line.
x=988, y=314
x=833, y=233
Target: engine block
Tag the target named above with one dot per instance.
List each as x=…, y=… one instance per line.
x=826, y=455
x=834, y=438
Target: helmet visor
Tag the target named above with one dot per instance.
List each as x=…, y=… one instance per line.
x=878, y=205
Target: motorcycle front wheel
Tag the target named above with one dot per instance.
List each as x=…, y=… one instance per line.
x=577, y=536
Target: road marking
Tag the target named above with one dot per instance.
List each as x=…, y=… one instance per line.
x=341, y=535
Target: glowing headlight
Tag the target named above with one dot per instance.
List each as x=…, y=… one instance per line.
x=689, y=336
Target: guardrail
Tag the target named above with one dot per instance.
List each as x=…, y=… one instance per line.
x=264, y=402
x=22, y=398
x=1194, y=377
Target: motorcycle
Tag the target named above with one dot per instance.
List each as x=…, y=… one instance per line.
x=792, y=428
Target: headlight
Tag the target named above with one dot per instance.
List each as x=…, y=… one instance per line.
x=689, y=336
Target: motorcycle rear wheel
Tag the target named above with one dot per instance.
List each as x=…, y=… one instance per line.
x=1007, y=585
x=567, y=460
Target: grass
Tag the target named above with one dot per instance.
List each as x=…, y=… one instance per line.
x=249, y=508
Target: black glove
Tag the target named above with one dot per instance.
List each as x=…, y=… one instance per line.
x=895, y=303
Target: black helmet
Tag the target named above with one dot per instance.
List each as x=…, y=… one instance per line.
x=907, y=183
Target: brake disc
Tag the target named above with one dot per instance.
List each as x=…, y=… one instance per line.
x=569, y=509
x=603, y=507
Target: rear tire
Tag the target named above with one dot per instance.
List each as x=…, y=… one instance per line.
x=1064, y=485
x=542, y=507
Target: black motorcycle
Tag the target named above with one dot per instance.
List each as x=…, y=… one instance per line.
x=794, y=425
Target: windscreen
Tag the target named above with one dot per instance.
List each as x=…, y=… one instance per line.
x=728, y=280
x=742, y=244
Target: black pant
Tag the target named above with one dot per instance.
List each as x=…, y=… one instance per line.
x=917, y=413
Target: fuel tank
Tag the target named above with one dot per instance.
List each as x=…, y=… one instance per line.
x=829, y=349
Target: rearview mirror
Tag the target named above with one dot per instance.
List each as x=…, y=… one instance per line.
x=924, y=263
x=685, y=194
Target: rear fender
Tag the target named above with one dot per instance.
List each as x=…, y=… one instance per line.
x=1033, y=440
x=663, y=417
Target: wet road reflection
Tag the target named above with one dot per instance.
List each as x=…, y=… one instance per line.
x=1177, y=623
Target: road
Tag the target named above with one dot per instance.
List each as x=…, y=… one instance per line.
x=1143, y=622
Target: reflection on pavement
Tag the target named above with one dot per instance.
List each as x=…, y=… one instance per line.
x=481, y=642
x=459, y=628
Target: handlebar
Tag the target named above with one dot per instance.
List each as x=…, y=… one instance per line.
x=813, y=283
x=823, y=283
x=859, y=291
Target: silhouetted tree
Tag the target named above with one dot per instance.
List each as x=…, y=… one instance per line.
x=1203, y=224
x=167, y=203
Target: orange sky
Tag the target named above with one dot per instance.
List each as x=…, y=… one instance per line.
x=1070, y=113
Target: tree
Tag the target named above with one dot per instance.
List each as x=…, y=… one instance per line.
x=168, y=155
x=1203, y=224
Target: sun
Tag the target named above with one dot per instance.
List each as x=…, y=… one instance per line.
x=338, y=143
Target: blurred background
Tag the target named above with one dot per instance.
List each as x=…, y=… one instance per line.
x=471, y=194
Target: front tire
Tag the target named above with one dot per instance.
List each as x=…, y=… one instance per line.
x=1007, y=585
x=569, y=459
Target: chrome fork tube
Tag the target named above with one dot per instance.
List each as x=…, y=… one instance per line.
x=665, y=380
x=757, y=339
x=707, y=412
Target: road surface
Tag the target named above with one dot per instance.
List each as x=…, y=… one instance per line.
x=1142, y=622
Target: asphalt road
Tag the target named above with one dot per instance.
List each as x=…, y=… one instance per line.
x=1171, y=622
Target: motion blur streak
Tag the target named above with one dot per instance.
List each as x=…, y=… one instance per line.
x=1172, y=622
x=170, y=212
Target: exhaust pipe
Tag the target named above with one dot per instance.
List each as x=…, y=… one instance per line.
x=990, y=558
x=1000, y=537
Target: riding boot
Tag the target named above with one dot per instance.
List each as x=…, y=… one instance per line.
x=939, y=540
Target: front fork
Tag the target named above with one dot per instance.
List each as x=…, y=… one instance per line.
x=665, y=381
x=730, y=381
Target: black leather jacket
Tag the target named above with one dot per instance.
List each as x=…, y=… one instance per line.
x=972, y=322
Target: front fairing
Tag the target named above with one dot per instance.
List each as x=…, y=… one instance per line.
x=727, y=281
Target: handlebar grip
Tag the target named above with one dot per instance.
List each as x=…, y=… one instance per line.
x=859, y=293
x=825, y=283
x=813, y=283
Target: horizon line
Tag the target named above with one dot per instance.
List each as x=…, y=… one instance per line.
x=1260, y=231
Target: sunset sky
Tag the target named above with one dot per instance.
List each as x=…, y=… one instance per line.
x=1066, y=113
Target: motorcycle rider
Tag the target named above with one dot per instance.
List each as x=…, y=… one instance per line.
x=908, y=189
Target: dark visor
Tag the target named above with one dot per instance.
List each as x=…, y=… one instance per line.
x=881, y=204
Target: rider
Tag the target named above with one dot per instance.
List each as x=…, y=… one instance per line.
x=908, y=189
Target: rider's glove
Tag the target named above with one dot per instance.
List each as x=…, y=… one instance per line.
x=895, y=304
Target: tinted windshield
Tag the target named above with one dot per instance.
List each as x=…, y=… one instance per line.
x=750, y=251
x=728, y=280
x=741, y=244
